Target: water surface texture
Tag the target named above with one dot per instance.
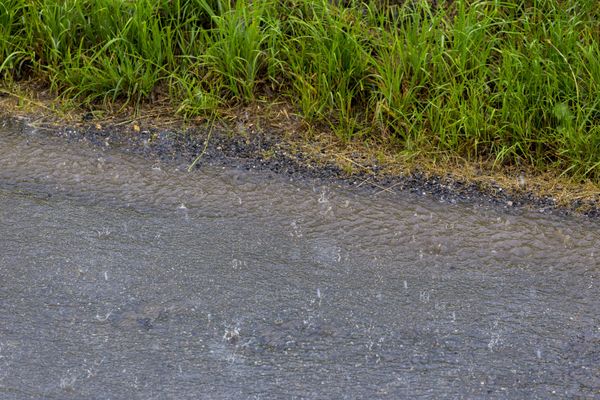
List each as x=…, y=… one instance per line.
x=125, y=278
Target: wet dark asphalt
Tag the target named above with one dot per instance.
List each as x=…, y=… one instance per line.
x=123, y=277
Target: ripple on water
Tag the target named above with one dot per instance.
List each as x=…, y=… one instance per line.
x=130, y=277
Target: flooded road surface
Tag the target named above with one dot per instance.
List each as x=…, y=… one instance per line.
x=123, y=278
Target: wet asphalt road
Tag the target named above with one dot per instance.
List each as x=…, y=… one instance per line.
x=125, y=278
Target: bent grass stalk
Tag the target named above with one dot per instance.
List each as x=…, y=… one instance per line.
x=210, y=130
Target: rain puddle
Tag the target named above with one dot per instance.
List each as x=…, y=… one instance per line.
x=125, y=278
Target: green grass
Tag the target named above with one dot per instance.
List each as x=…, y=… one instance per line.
x=514, y=82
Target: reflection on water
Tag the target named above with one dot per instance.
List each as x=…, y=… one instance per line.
x=126, y=278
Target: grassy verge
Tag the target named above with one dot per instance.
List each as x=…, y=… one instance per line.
x=509, y=84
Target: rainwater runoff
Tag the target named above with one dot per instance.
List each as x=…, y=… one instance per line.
x=128, y=278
